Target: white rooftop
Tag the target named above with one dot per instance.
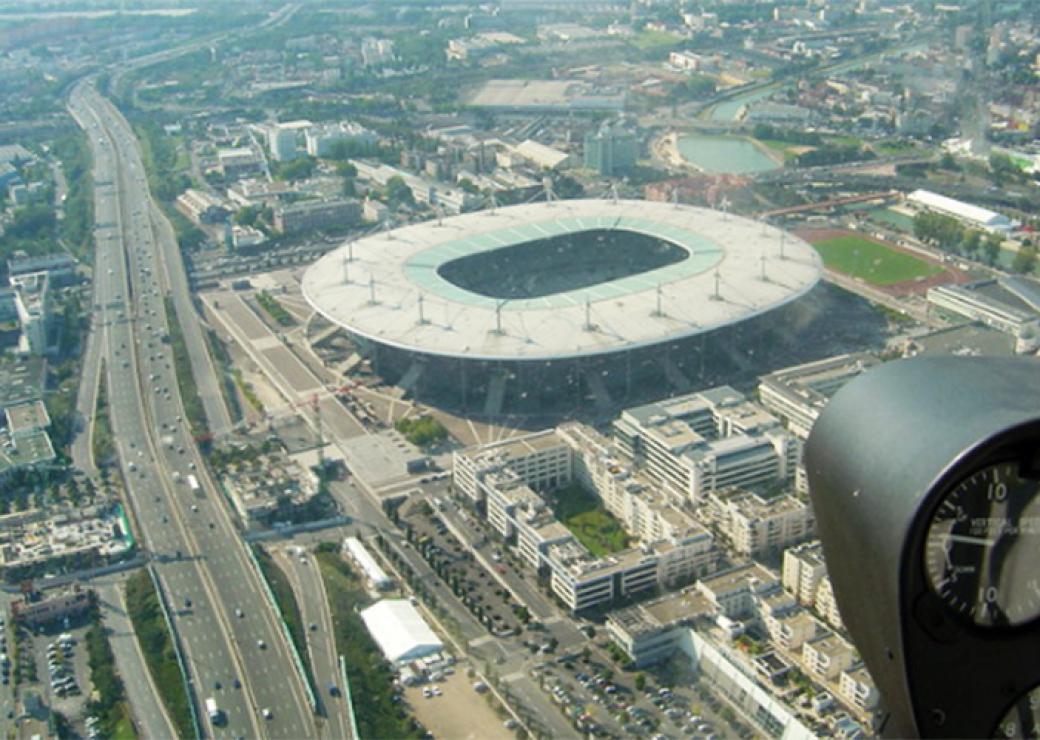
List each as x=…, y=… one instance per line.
x=401, y=270
x=400, y=631
x=966, y=211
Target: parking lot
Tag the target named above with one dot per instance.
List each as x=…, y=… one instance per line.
x=455, y=565
x=451, y=708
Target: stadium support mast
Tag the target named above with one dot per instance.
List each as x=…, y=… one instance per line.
x=350, y=250
x=372, y=290
x=346, y=271
x=675, y=196
x=716, y=296
x=657, y=309
x=547, y=185
x=614, y=193
x=588, y=315
x=498, y=316
x=765, y=279
x=783, y=242
x=422, y=319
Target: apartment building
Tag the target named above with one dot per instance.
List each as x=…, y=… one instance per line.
x=756, y=524
x=733, y=593
x=827, y=656
x=803, y=569
x=701, y=442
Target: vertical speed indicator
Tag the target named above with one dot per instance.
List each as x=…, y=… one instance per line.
x=982, y=548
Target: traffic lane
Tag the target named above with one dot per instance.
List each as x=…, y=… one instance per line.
x=269, y=698
x=305, y=579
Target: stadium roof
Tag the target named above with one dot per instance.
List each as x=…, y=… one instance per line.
x=400, y=631
x=394, y=278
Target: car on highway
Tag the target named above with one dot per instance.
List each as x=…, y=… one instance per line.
x=239, y=613
x=261, y=644
x=266, y=713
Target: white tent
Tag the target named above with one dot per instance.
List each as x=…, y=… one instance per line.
x=400, y=631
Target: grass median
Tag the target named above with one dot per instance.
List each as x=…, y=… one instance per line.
x=371, y=679
x=142, y=604
x=273, y=307
x=104, y=448
x=193, y=408
x=110, y=702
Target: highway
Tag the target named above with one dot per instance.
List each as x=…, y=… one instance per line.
x=230, y=634
x=305, y=578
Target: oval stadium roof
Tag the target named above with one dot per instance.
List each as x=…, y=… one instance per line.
x=392, y=293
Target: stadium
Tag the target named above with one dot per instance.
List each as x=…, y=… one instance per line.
x=545, y=307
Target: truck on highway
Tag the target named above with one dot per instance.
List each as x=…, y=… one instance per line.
x=215, y=715
x=193, y=482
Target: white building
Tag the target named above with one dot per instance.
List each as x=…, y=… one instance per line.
x=972, y=215
x=734, y=593
x=755, y=524
x=705, y=441
x=542, y=156
x=320, y=140
x=354, y=549
x=857, y=688
x=400, y=631
x=826, y=657
x=32, y=301
x=973, y=302
x=376, y=52
x=803, y=570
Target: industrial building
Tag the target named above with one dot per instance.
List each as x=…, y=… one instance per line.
x=550, y=306
x=201, y=207
x=306, y=215
x=400, y=631
x=611, y=150
x=798, y=394
x=1007, y=304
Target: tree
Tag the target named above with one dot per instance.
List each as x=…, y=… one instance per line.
x=948, y=162
x=246, y=216
x=1025, y=259
x=991, y=249
x=397, y=191
x=640, y=681
x=296, y=169
x=972, y=242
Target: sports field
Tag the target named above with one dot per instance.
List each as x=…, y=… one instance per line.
x=871, y=261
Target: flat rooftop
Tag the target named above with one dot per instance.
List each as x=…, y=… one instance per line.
x=391, y=291
x=27, y=417
x=21, y=381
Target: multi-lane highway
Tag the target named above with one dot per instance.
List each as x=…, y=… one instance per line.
x=234, y=645
x=305, y=579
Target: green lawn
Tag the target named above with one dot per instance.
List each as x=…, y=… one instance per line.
x=871, y=261
x=594, y=526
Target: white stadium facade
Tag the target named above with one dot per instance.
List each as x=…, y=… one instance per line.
x=555, y=305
